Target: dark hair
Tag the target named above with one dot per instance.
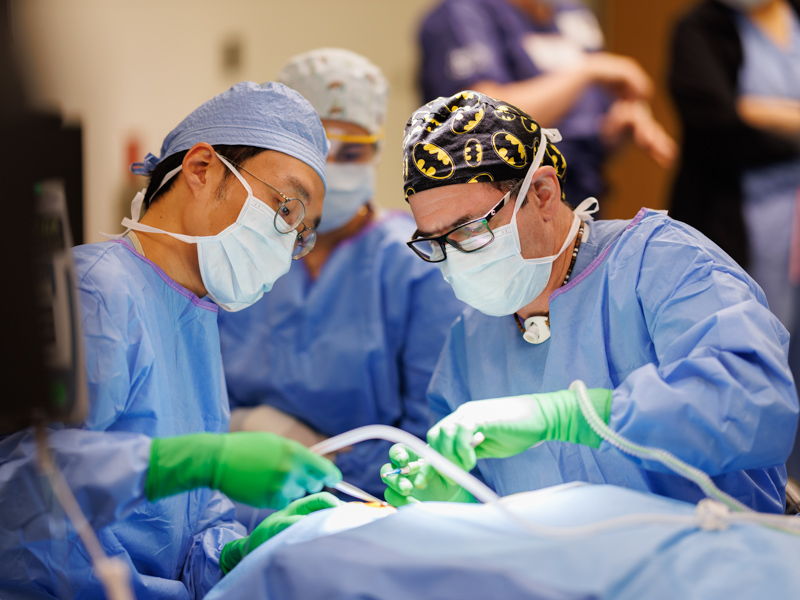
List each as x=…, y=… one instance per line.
x=509, y=185
x=235, y=154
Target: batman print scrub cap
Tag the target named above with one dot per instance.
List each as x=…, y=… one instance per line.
x=471, y=138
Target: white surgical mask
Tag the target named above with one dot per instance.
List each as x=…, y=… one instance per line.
x=242, y=262
x=349, y=187
x=496, y=279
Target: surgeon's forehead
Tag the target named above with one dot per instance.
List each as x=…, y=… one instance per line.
x=290, y=175
x=438, y=210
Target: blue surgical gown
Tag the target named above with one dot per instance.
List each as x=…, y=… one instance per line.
x=153, y=368
x=357, y=346
x=106, y=473
x=683, y=336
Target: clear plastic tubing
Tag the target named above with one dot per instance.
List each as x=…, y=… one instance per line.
x=391, y=434
x=665, y=458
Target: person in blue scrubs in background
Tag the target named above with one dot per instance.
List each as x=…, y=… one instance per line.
x=674, y=339
x=233, y=197
x=546, y=57
x=735, y=75
x=350, y=336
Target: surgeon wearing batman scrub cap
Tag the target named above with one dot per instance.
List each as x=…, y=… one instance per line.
x=234, y=195
x=350, y=336
x=673, y=338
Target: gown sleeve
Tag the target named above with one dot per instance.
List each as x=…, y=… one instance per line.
x=721, y=396
x=216, y=527
x=105, y=471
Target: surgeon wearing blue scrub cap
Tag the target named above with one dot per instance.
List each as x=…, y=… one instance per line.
x=234, y=195
x=673, y=338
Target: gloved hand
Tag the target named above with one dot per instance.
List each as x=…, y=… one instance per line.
x=236, y=550
x=514, y=424
x=422, y=483
x=260, y=469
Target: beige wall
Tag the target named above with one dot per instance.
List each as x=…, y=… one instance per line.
x=137, y=68
x=134, y=69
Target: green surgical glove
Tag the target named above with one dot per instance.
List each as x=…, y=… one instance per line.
x=256, y=468
x=422, y=484
x=236, y=550
x=514, y=424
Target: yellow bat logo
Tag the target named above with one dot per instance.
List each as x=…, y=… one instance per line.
x=432, y=161
x=559, y=162
x=529, y=124
x=510, y=149
x=455, y=101
x=466, y=119
x=433, y=124
x=473, y=152
x=481, y=178
x=505, y=113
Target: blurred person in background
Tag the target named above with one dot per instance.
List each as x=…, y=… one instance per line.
x=735, y=80
x=545, y=57
x=350, y=336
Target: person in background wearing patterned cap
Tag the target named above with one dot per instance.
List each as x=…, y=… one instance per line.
x=234, y=195
x=350, y=336
x=673, y=338
x=546, y=56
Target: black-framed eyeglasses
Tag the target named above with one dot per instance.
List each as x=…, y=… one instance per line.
x=289, y=217
x=468, y=237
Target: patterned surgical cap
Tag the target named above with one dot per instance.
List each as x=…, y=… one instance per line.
x=471, y=138
x=341, y=85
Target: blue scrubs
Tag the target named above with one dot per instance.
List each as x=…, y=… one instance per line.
x=698, y=365
x=154, y=368
x=105, y=472
x=770, y=193
x=357, y=346
x=464, y=42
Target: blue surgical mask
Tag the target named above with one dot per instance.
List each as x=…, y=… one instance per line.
x=242, y=262
x=349, y=187
x=496, y=279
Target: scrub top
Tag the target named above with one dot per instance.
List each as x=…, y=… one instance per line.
x=154, y=368
x=357, y=346
x=464, y=42
x=681, y=334
x=770, y=193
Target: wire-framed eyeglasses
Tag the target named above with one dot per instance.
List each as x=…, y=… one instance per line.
x=472, y=235
x=289, y=217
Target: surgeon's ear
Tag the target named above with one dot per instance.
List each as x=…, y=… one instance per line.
x=197, y=164
x=548, y=191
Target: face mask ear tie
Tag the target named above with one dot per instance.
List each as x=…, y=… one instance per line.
x=136, y=211
x=545, y=135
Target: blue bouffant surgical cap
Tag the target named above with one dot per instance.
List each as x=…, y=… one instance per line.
x=270, y=116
